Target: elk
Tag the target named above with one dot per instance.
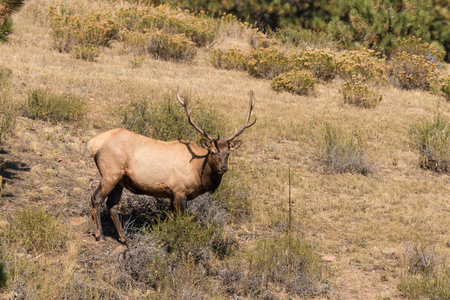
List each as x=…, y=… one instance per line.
x=177, y=170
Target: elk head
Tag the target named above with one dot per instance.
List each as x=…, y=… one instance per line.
x=219, y=149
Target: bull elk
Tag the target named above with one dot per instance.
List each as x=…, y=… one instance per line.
x=177, y=170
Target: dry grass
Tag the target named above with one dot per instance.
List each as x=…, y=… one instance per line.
x=361, y=220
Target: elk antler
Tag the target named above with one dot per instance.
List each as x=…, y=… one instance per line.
x=247, y=124
x=188, y=113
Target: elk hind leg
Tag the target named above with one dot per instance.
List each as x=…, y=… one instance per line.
x=111, y=203
x=97, y=198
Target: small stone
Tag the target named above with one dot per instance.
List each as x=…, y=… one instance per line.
x=329, y=258
x=76, y=220
x=3, y=223
x=388, y=251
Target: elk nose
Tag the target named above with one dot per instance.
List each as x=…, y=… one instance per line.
x=223, y=169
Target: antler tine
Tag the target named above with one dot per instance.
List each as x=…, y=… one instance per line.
x=247, y=124
x=188, y=113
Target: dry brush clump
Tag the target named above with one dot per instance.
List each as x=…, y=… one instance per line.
x=341, y=152
x=431, y=138
x=8, y=108
x=427, y=274
x=276, y=264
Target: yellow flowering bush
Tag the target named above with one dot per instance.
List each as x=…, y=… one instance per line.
x=299, y=82
x=94, y=29
x=410, y=71
x=267, y=62
x=360, y=65
x=87, y=53
x=433, y=52
x=231, y=59
x=199, y=28
x=322, y=63
x=357, y=93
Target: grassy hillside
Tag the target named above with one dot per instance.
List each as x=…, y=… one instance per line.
x=383, y=234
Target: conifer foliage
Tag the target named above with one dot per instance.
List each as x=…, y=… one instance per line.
x=380, y=24
x=7, y=8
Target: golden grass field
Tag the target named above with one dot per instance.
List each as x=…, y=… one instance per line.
x=364, y=222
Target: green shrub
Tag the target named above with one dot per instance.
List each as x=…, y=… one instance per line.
x=304, y=38
x=281, y=263
x=410, y=71
x=434, y=286
x=340, y=152
x=432, y=140
x=296, y=82
x=167, y=120
x=267, y=63
x=231, y=59
x=36, y=231
x=361, y=65
x=52, y=107
x=445, y=87
x=322, y=63
x=357, y=93
x=188, y=239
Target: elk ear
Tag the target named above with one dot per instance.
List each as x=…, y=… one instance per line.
x=205, y=143
x=234, y=145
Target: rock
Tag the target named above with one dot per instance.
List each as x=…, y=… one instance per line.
x=329, y=258
x=388, y=251
x=3, y=223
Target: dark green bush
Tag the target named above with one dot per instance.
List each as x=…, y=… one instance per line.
x=3, y=275
x=167, y=120
x=52, y=107
x=340, y=152
x=431, y=138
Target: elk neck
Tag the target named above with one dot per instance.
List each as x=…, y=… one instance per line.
x=210, y=180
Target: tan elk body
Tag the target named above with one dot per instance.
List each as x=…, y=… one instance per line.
x=178, y=170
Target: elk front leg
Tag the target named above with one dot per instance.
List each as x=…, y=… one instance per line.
x=111, y=203
x=179, y=203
